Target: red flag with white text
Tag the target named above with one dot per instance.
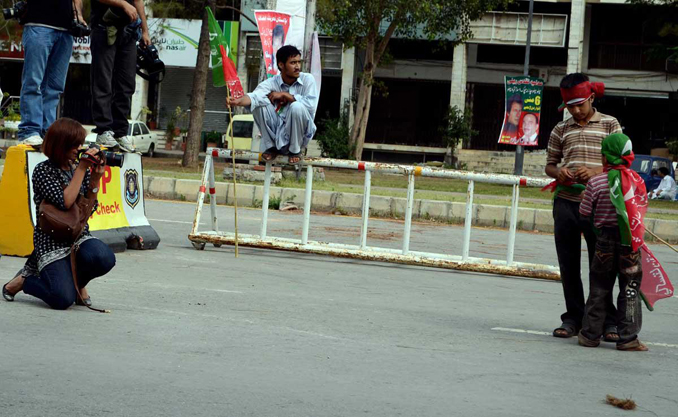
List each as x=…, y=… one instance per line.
x=655, y=284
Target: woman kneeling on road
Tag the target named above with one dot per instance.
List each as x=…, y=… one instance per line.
x=59, y=181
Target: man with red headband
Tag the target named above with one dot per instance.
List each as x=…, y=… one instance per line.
x=574, y=158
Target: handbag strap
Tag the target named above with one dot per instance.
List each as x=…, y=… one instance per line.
x=74, y=272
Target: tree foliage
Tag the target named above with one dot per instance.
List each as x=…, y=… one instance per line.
x=370, y=24
x=457, y=126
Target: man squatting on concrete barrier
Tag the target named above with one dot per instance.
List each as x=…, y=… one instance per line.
x=616, y=200
x=284, y=107
x=576, y=142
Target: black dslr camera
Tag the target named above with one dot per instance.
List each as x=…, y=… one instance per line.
x=149, y=61
x=18, y=11
x=79, y=30
x=112, y=159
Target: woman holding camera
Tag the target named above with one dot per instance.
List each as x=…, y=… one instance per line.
x=60, y=181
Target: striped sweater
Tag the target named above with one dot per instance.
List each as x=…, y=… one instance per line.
x=576, y=146
x=597, y=202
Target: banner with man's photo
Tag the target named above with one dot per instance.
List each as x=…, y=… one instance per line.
x=523, y=111
x=273, y=28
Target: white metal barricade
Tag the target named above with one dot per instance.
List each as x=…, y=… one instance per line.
x=362, y=250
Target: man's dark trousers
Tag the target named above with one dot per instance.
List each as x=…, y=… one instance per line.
x=113, y=77
x=568, y=228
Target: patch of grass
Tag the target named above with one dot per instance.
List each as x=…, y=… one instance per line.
x=274, y=203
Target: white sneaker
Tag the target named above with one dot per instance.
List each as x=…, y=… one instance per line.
x=126, y=144
x=34, y=140
x=106, y=139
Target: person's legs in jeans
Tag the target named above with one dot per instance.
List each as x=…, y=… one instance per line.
x=101, y=74
x=94, y=259
x=611, y=311
x=294, y=129
x=37, y=43
x=54, y=82
x=54, y=286
x=568, y=246
x=267, y=121
x=602, y=278
x=629, y=312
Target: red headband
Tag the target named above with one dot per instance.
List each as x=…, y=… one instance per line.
x=580, y=92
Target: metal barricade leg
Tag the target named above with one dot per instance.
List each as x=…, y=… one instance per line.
x=512, y=225
x=213, y=196
x=366, y=209
x=264, y=203
x=307, y=204
x=467, y=222
x=408, y=213
x=201, y=193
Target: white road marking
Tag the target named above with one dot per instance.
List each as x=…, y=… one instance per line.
x=535, y=332
x=229, y=291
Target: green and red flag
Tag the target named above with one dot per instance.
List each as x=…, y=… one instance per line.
x=627, y=189
x=223, y=68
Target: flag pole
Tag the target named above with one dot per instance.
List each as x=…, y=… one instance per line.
x=235, y=197
x=662, y=241
x=230, y=129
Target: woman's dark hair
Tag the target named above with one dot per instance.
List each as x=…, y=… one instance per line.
x=64, y=135
x=285, y=53
x=570, y=80
x=664, y=170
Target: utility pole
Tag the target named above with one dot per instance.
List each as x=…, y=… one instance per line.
x=256, y=133
x=520, y=153
x=308, y=34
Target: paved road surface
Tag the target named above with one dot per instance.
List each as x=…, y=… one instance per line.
x=285, y=334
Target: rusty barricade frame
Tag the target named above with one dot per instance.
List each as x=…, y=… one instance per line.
x=362, y=251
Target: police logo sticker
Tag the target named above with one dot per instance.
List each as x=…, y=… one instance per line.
x=132, y=195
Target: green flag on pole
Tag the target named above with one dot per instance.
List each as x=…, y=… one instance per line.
x=217, y=38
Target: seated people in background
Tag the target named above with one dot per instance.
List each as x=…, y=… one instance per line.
x=667, y=188
x=284, y=107
x=530, y=124
x=59, y=180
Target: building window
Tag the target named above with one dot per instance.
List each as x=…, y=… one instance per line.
x=628, y=37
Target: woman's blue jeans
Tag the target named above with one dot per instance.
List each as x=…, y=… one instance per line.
x=55, y=283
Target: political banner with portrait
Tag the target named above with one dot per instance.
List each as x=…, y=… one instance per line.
x=273, y=27
x=522, y=112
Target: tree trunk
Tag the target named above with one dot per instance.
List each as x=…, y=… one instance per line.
x=190, y=158
x=364, y=102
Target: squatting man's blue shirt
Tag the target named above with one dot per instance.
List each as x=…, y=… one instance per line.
x=304, y=91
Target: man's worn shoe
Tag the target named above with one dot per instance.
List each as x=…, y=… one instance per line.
x=632, y=346
x=34, y=140
x=125, y=144
x=586, y=342
x=106, y=139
